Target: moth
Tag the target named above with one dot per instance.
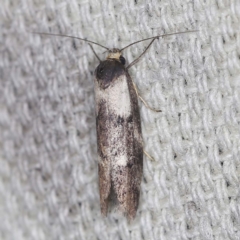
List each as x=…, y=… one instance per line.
x=118, y=123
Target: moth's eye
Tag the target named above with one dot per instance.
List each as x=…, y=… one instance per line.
x=122, y=60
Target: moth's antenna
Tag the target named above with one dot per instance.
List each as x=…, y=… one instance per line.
x=136, y=60
x=94, y=52
x=62, y=35
x=169, y=34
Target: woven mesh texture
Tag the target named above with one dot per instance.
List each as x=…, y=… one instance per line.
x=48, y=173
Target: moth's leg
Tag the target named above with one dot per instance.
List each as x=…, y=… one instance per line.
x=95, y=53
x=144, y=102
x=148, y=155
x=131, y=64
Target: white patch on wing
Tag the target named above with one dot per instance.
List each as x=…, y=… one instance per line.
x=117, y=97
x=121, y=160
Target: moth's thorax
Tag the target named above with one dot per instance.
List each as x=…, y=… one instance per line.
x=114, y=53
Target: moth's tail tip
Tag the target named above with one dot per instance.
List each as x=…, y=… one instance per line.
x=104, y=211
x=130, y=218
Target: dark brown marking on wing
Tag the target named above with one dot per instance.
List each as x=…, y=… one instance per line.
x=135, y=165
x=104, y=173
x=107, y=71
x=102, y=129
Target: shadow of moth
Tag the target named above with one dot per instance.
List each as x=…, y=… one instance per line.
x=119, y=136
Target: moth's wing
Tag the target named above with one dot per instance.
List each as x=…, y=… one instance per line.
x=136, y=153
x=127, y=170
x=112, y=102
x=104, y=173
x=120, y=150
x=104, y=160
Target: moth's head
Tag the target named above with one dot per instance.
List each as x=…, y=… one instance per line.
x=116, y=54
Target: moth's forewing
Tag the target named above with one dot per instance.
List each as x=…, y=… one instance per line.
x=120, y=148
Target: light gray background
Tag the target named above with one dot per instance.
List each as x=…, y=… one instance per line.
x=48, y=164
